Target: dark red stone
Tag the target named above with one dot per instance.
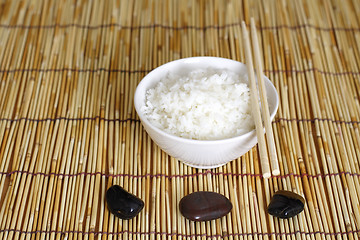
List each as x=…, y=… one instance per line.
x=204, y=206
x=123, y=204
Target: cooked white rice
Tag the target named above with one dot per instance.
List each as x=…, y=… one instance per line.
x=206, y=104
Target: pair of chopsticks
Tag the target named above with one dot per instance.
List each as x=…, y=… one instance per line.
x=263, y=148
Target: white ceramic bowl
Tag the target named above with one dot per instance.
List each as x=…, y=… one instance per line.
x=199, y=153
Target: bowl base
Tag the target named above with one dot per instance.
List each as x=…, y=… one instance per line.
x=202, y=166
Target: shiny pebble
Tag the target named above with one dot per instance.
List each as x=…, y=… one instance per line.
x=123, y=204
x=204, y=206
x=286, y=204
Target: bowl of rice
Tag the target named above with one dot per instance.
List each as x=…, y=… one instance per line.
x=198, y=110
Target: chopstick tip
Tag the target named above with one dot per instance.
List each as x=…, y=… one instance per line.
x=266, y=175
x=243, y=24
x=276, y=172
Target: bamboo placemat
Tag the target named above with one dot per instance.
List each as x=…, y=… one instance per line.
x=68, y=129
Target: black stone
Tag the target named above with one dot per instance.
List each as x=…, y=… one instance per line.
x=204, y=206
x=286, y=204
x=123, y=204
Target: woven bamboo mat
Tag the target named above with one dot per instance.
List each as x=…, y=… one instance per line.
x=68, y=128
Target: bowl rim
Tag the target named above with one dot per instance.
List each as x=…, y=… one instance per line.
x=148, y=76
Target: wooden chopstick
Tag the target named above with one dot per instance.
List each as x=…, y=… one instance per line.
x=263, y=97
x=265, y=167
